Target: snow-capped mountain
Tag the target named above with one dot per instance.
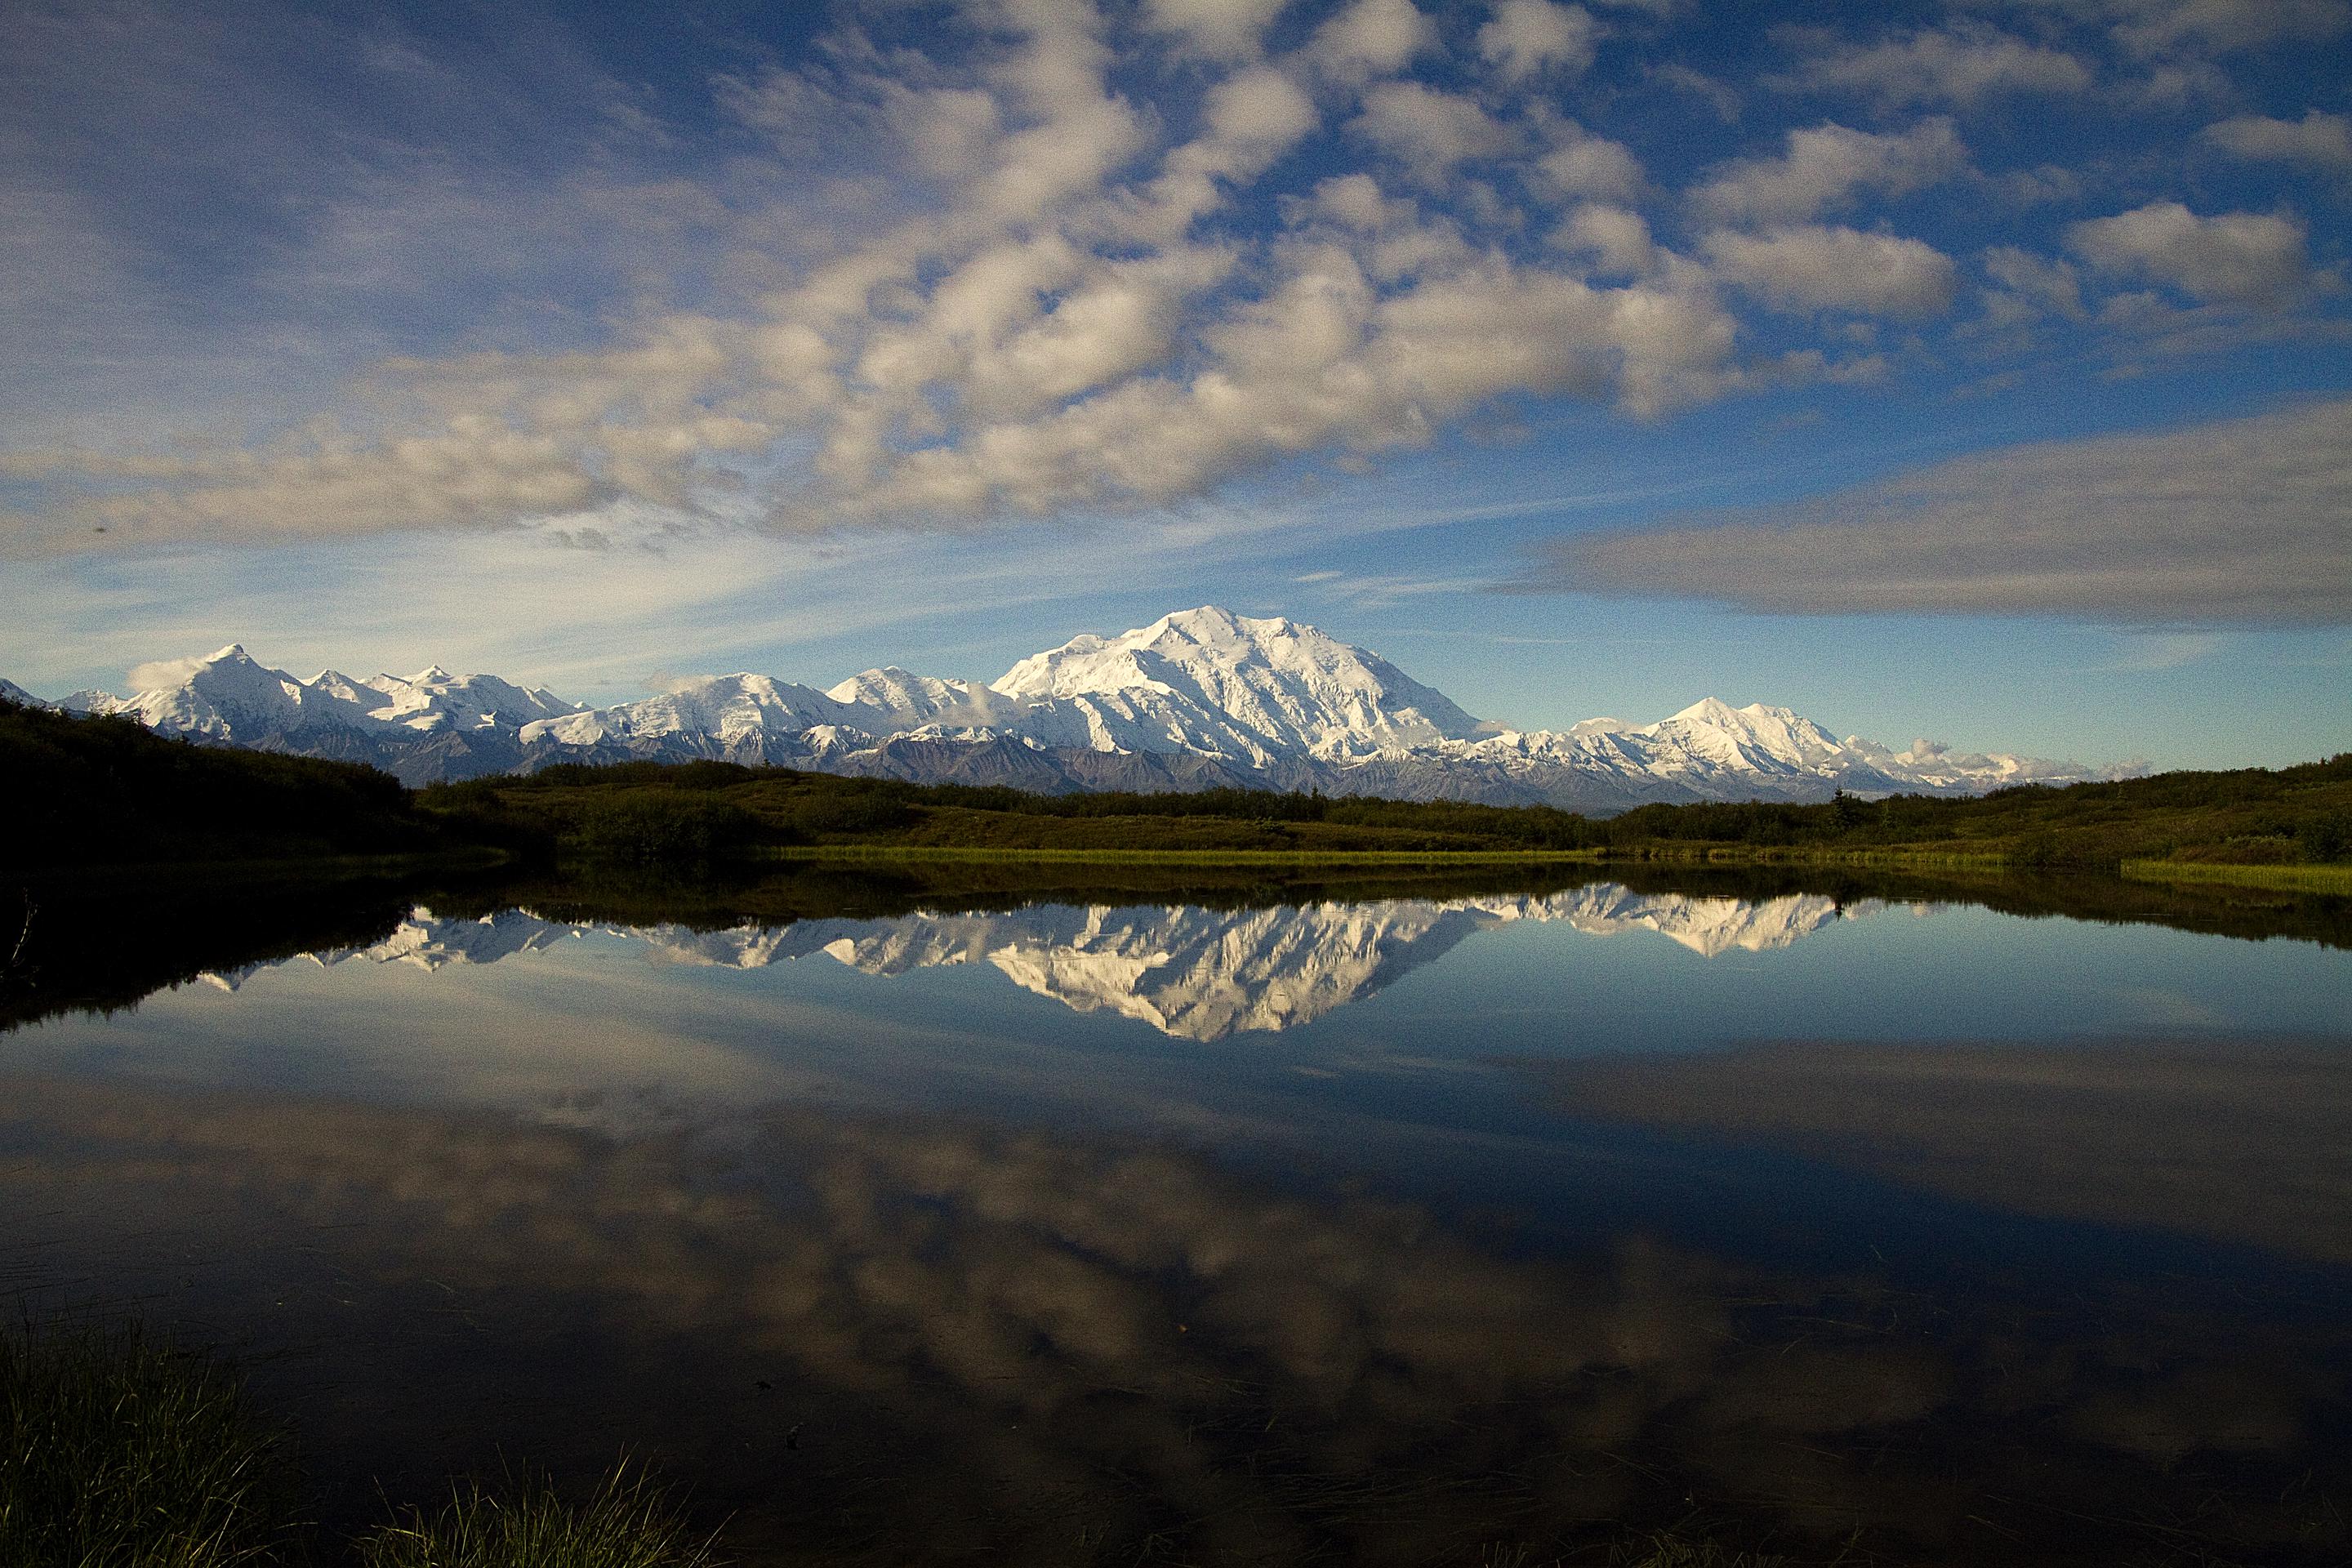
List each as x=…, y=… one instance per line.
x=1251, y=691
x=1188, y=972
x=1196, y=700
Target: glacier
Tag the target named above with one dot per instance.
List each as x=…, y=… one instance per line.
x=1199, y=698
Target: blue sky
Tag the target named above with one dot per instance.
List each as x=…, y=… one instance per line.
x=1979, y=372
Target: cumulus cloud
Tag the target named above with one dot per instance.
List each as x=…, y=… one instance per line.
x=2048, y=284
x=2243, y=523
x=2320, y=139
x=1054, y=310
x=1525, y=37
x=2165, y=27
x=2246, y=258
x=1430, y=132
x=1961, y=65
x=1580, y=165
x=1225, y=29
x=1372, y=38
x=1618, y=240
x=1819, y=266
x=1017, y=262
x=1825, y=167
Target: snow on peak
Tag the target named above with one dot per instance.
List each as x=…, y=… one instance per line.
x=1229, y=686
x=1253, y=693
x=1710, y=710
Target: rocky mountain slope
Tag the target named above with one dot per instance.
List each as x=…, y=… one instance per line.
x=1197, y=700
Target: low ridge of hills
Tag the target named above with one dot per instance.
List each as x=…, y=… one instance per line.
x=1201, y=699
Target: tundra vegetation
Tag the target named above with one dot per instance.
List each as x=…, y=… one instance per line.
x=2254, y=819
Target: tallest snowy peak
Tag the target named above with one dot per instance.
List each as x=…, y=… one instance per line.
x=1228, y=686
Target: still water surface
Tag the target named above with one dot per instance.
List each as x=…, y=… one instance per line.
x=1383, y=1229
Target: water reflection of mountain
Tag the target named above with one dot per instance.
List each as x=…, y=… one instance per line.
x=1192, y=972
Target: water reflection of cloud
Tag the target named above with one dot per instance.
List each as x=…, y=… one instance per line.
x=2242, y=1140
x=1007, y=1344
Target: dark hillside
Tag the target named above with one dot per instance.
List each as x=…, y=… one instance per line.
x=78, y=791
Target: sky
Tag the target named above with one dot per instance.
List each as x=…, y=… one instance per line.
x=1979, y=371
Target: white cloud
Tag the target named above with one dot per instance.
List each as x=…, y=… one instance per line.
x=1825, y=267
x=1029, y=274
x=1428, y=132
x=2050, y=285
x=2240, y=522
x=1582, y=166
x=1618, y=240
x=2319, y=139
x=1526, y=37
x=2248, y=258
x=1826, y=167
x=1222, y=29
x=1719, y=96
x=1960, y=65
x=2163, y=26
x=1370, y=38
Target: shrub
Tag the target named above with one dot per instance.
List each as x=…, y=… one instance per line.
x=2327, y=838
x=656, y=829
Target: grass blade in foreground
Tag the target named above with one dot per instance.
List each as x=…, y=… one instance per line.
x=121, y=1452
x=626, y=1523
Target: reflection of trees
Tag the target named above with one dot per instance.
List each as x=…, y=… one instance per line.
x=105, y=938
x=1024, y=1347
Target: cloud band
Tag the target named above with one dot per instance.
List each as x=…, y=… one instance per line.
x=2245, y=521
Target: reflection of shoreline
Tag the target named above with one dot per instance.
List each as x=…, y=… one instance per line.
x=992, y=1342
x=1191, y=972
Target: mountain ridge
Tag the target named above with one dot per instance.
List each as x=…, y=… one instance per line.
x=1198, y=699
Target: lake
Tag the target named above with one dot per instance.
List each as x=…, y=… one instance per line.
x=1494, y=1220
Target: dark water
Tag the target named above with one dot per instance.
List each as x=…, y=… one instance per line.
x=1398, y=1224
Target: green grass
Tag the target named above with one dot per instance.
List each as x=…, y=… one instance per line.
x=119, y=1451
x=857, y=854
x=2280, y=879
x=627, y=1522
x=1893, y=857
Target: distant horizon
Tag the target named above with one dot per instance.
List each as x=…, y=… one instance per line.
x=1973, y=373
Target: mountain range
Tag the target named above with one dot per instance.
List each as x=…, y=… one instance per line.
x=1200, y=698
x=1189, y=973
